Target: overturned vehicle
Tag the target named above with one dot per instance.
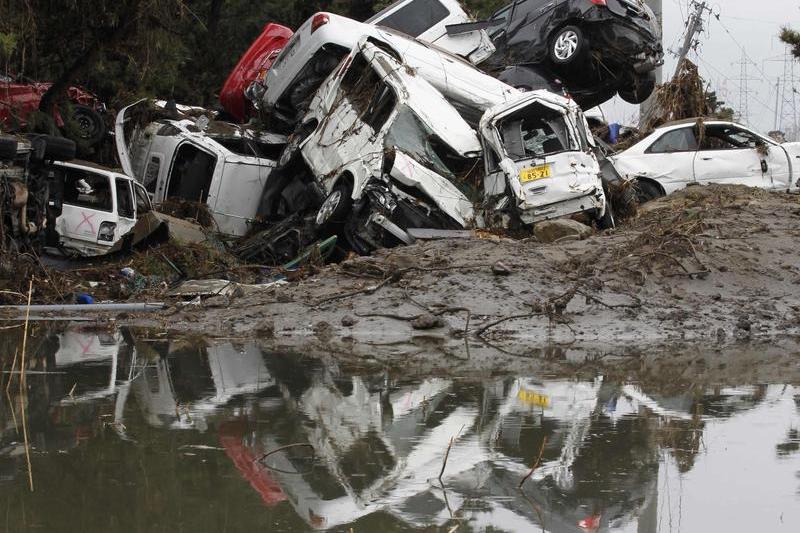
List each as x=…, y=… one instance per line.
x=392, y=153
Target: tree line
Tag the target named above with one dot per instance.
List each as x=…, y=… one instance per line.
x=126, y=49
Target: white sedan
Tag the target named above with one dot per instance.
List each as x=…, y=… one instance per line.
x=708, y=151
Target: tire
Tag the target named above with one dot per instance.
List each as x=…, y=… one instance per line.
x=647, y=190
x=89, y=125
x=566, y=45
x=52, y=148
x=336, y=209
x=640, y=89
x=8, y=148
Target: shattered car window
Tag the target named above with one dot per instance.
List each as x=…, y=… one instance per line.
x=536, y=131
x=124, y=198
x=372, y=99
x=682, y=140
x=412, y=137
x=725, y=137
x=249, y=147
x=416, y=17
x=84, y=189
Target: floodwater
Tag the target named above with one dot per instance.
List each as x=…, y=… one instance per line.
x=136, y=432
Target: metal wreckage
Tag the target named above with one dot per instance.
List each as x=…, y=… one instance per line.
x=419, y=122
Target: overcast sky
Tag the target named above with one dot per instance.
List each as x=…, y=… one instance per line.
x=750, y=24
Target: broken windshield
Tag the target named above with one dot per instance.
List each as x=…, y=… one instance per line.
x=536, y=131
x=411, y=136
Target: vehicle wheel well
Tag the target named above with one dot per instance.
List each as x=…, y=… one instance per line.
x=646, y=187
x=345, y=178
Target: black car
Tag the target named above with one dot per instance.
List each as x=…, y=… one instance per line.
x=594, y=48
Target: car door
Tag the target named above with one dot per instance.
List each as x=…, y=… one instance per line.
x=347, y=138
x=88, y=205
x=729, y=154
x=126, y=206
x=669, y=159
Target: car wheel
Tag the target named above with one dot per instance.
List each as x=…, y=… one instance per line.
x=335, y=210
x=566, y=45
x=640, y=89
x=647, y=190
x=90, y=126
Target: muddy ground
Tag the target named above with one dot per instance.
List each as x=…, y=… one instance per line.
x=706, y=268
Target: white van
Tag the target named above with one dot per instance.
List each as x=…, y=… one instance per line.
x=101, y=211
x=322, y=41
x=194, y=159
x=391, y=152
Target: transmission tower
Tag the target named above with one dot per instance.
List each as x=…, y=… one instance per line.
x=744, y=90
x=787, y=99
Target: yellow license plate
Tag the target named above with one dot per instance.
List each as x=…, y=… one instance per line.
x=526, y=175
x=533, y=398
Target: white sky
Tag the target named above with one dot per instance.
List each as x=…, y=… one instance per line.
x=746, y=29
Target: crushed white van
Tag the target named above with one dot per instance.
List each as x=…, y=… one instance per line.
x=194, y=158
x=392, y=153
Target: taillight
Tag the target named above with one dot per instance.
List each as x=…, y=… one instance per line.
x=599, y=2
x=106, y=232
x=320, y=19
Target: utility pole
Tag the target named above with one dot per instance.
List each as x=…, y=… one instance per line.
x=777, y=101
x=694, y=27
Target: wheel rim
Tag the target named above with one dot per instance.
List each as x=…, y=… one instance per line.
x=86, y=126
x=328, y=207
x=566, y=45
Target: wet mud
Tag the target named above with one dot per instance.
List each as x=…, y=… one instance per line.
x=708, y=267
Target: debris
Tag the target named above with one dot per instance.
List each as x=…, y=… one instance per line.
x=207, y=287
x=551, y=231
x=501, y=269
x=348, y=321
x=427, y=321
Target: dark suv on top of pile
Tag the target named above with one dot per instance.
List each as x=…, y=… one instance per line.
x=595, y=48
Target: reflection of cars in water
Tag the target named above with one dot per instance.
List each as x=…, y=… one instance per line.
x=181, y=392
x=596, y=48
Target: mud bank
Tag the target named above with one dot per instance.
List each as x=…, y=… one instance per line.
x=709, y=266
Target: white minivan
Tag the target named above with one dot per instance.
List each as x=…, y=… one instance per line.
x=101, y=211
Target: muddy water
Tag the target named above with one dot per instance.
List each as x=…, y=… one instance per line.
x=134, y=432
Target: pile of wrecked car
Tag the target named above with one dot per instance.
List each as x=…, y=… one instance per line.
x=373, y=134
